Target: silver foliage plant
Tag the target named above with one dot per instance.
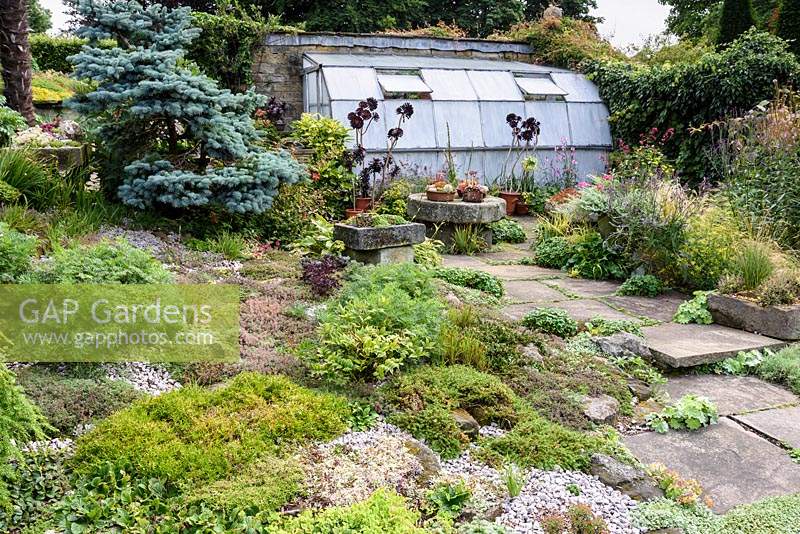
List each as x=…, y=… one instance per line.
x=178, y=139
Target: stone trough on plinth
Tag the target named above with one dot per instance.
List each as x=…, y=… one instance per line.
x=443, y=218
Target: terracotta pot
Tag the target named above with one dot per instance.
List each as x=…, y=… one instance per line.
x=363, y=203
x=440, y=196
x=472, y=195
x=350, y=212
x=521, y=208
x=511, y=199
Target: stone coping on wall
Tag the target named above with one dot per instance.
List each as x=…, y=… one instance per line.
x=347, y=40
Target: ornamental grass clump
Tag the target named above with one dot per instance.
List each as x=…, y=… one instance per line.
x=173, y=138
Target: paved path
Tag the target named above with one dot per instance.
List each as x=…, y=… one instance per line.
x=742, y=459
x=529, y=287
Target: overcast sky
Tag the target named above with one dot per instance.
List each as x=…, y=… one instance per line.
x=627, y=21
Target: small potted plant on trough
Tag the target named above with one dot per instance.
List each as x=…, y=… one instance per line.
x=378, y=239
x=474, y=192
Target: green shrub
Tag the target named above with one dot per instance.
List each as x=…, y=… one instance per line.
x=690, y=412
x=51, y=53
x=641, y=285
x=551, y=321
x=468, y=239
x=600, y=326
x=225, y=48
x=194, y=435
x=69, y=402
x=20, y=422
x=36, y=184
x=263, y=486
x=16, y=251
x=10, y=123
x=507, y=231
x=38, y=480
x=591, y=257
x=775, y=515
x=394, y=200
x=692, y=94
x=536, y=442
x=428, y=254
x=293, y=211
x=783, y=287
x=480, y=340
x=423, y=400
x=449, y=499
x=105, y=263
x=471, y=278
x=694, y=310
x=376, y=329
x=753, y=264
x=782, y=367
x=411, y=279
x=553, y=252
x=318, y=240
x=384, y=512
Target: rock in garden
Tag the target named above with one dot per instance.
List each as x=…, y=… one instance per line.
x=466, y=423
x=640, y=389
x=427, y=458
x=531, y=353
x=602, y=409
x=633, y=482
x=622, y=344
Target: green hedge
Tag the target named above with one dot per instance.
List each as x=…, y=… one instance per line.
x=719, y=84
x=224, y=50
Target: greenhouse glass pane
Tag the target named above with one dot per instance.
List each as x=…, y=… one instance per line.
x=402, y=83
x=494, y=85
x=554, y=122
x=449, y=84
x=464, y=119
x=540, y=86
x=589, y=124
x=420, y=130
x=496, y=132
x=578, y=88
x=351, y=83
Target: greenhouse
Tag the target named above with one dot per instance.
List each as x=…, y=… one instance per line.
x=463, y=104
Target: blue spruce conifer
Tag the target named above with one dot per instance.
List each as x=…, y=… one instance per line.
x=177, y=139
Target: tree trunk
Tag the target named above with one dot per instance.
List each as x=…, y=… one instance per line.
x=15, y=55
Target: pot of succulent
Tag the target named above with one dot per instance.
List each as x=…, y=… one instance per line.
x=522, y=207
x=441, y=191
x=474, y=192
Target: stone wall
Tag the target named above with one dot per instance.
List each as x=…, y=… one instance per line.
x=278, y=65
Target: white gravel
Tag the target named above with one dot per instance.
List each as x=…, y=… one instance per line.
x=149, y=378
x=546, y=492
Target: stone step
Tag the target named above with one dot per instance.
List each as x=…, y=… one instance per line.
x=781, y=424
x=732, y=395
x=688, y=345
x=733, y=465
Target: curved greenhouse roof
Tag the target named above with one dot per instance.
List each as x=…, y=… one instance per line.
x=462, y=102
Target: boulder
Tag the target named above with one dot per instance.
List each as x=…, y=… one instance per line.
x=633, y=482
x=622, y=344
x=427, y=458
x=780, y=322
x=531, y=353
x=602, y=409
x=466, y=423
x=640, y=389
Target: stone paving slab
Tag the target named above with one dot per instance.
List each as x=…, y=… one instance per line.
x=586, y=288
x=782, y=424
x=580, y=310
x=660, y=308
x=687, y=345
x=469, y=262
x=518, y=291
x=522, y=272
x=733, y=394
x=734, y=466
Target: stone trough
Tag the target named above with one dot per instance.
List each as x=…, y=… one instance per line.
x=443, y=218
x=780, y=322
x=389, y=244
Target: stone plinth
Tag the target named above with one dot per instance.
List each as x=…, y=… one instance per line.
x=780, y=322
x=66, y=157
x=442, y=218
x=390, y=244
